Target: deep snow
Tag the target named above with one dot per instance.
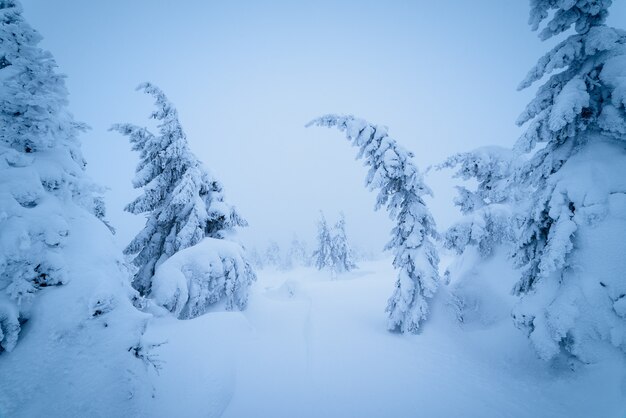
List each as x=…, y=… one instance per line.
x=309, y=346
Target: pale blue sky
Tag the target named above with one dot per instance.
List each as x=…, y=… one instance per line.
x=246, y=77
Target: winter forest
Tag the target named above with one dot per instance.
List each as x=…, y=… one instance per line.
x=329, y=209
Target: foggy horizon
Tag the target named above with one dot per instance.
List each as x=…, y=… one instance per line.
x=247, y=77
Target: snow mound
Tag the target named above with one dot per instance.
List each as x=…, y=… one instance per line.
x=480, y=288
x=212, y=273
x=80, y=353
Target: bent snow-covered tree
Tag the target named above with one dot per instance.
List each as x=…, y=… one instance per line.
x=184, y=205
x=401, y=188
x=80, y=317
x=572, y=246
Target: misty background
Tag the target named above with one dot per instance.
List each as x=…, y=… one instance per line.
x=247, y=76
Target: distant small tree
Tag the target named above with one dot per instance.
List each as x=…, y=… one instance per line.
x=272, y=254
x=297, y=254
x=183, y=202
x=322, y=254
x=341, y=253
x=256, y=259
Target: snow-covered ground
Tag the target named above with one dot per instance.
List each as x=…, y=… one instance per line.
x=309, y=346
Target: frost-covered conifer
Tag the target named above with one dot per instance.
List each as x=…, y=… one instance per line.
x=322, y=255
x=401, y=189
x=256, y=260
x=488, y=216
x=272, y=254
x=59, y=268
x=41, y=171
x=341, y=253
x=572, y=246
x=297, y=254
x=184, y=203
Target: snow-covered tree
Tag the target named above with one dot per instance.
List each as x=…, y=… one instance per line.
x=297, y=254
x=272, y=254
x=571, y=246
x=322, y=255
x=183, y=202
x=488, y=217
x=42, y=171
x=341, y=253
x=256, y=259
x=59, y=267
x=401, y=188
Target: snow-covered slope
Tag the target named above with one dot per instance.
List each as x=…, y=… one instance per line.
x=309, y=346
x=77, y=354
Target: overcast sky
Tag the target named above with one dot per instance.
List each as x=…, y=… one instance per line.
x=247, y=76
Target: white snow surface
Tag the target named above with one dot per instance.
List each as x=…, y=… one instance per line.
x=309, y=346
x=74, y=357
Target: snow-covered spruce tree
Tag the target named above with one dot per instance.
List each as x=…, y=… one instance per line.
x=488, y=216
x=401, y=189
x=341, y=253
x=256, y=259
x=322, y=256
x=184, y=205
x=272, y=254
x=572, y=246
x=300, y=253
x=59, y=269
x=297, y=254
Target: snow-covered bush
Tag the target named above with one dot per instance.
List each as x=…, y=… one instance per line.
x=488, y=216
x=571, y=245
x=257, y=261
x=401, y=189
x=183, y=201
x=62, y=280
x=196, y=278
x=333, y=250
